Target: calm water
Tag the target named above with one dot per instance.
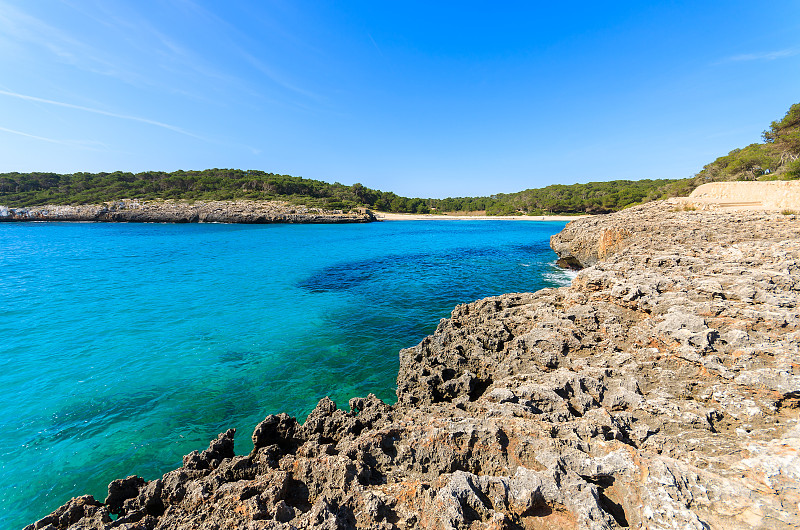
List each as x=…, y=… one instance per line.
x=125, y=346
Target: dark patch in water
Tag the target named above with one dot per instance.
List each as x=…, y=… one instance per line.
x=460, y=265
x=340, y=277
x=536, y=247
x=90, y=418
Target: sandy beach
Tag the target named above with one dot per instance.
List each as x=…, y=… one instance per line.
x=385, y=216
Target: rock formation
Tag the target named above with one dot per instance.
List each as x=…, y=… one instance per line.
x=251, y=212
x=660, y=390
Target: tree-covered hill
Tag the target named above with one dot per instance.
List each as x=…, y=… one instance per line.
x=778, y=157
x=31, y=189
x=592, y=197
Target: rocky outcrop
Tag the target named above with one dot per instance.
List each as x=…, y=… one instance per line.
x=132, y=211
x=660, y=390
x=655, y=227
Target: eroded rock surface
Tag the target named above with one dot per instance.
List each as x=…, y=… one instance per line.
x=133, y=211
x=660, y=390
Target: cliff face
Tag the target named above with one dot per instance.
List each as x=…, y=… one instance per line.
x=660, y=390
x=251, y=212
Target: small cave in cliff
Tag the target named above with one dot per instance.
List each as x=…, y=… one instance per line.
x=569, y=263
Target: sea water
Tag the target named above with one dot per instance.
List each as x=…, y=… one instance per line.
x=125, y=346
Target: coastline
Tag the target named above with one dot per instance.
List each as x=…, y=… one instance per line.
x=248, y=212
x=386, y=216
x=658, y=390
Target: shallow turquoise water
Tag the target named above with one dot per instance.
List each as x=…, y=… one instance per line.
x=125, y=346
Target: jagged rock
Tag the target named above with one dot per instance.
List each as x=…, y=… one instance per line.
x=211, y=458
x=121, y=490
x=660, y=390
x=277, y=430
x=80, y=512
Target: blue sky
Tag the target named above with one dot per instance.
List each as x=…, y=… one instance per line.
x=427, y=99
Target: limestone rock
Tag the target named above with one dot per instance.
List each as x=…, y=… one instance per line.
x=170, y=211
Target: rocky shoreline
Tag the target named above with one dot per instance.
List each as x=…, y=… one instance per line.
x=168, y=211
x=660, y=390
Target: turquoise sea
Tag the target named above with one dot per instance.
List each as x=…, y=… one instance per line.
x=125, y=346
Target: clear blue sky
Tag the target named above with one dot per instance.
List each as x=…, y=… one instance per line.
x=427, y=99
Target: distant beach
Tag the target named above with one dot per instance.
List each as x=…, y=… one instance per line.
x=385, y=216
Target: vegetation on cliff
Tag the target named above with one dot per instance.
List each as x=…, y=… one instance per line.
x=778, y=157
x=592, y=197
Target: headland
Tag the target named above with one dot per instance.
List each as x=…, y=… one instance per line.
x=171, y=211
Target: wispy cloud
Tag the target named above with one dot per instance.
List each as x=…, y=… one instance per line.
x=137, y=32
x=26, y=28
x=234, y=36
x=128, y=45
x=42, y=138
x=70, y=143
x=122, y=44
x=112, y=115
x=276, y=77
x=102, y=113
x=765, y=56
x=376, y=45
x=68, y=47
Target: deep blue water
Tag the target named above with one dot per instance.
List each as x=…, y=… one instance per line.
x=125, y=346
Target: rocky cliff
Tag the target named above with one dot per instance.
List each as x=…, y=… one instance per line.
x=660, y=390
x=252, y=212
